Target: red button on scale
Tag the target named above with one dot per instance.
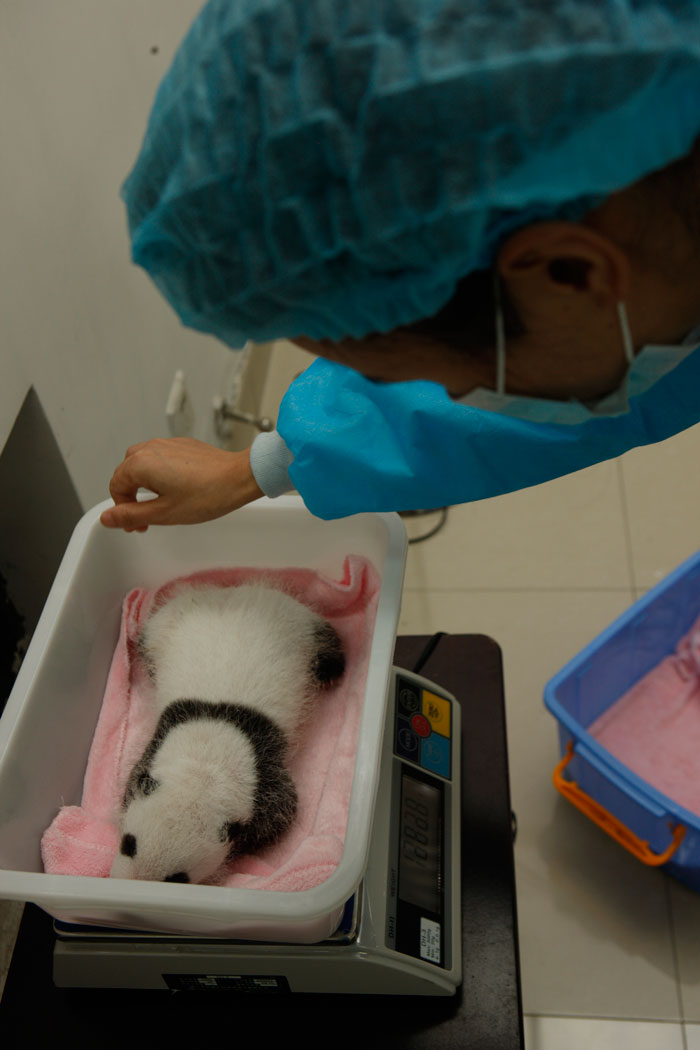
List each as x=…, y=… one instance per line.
x=421, y=725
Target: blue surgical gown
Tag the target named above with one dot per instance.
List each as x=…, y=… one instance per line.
x=363, y=446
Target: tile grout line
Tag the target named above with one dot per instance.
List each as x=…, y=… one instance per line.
x=614, y=1019
x=626, y=527
x=621, y=589
x=676, y=960
x=676, y=1026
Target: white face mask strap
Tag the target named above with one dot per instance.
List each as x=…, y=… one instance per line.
x=627, y=341
x=500, y=338
x=626, y=334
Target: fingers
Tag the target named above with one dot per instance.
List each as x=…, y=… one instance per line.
x=124, y=483
x=132, y=517
x=128, y=513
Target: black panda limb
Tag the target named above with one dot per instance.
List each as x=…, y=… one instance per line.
x=172, y=835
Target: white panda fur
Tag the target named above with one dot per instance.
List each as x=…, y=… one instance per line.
x=234, y=670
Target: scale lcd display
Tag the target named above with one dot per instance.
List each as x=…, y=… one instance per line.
x=420, y=847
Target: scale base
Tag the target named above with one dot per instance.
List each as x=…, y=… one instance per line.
x=267, y=969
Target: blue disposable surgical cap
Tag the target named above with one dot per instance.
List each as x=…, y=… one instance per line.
x=334, y=167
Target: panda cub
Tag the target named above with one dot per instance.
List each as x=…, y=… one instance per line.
x=234, y=671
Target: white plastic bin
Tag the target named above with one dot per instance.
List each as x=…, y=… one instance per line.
x=50, y=718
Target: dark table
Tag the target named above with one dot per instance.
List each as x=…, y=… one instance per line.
x=485, y=1014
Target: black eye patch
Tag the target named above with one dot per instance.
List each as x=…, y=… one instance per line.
x=128, y=846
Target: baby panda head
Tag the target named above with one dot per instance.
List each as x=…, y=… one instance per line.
x=210, y=785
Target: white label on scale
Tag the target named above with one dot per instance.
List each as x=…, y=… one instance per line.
x=430, y=940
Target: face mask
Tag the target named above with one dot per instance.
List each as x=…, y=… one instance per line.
x=645, y=369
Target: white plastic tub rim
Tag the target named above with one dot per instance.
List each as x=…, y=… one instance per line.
x=268, y=533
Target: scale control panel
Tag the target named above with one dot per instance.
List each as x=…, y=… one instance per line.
x=423, y=892
x=423, y=727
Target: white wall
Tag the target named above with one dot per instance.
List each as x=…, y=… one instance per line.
x=78, y=320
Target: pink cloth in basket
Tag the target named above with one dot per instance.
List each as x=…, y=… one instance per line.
x=654, y=728
x=83, y=840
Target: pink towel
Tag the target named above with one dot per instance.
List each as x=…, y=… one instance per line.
x=83, y=840
x=654, y=729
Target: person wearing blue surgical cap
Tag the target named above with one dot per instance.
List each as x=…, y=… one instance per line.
x=483, y=218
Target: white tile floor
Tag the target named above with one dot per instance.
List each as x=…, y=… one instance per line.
x=610, y=950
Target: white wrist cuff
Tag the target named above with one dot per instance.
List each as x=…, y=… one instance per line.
x=270, y=460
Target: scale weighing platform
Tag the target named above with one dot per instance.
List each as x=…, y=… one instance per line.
x=401, y=931
x=405, y=930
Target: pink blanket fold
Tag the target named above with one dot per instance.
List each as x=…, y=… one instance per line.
x=83, y=840
x=654, y=728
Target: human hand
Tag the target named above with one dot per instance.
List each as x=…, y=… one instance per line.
x=193, y=482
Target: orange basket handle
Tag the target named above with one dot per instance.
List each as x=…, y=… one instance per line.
x=610, y=824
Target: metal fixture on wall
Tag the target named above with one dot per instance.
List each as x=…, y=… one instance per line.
x=225, y=414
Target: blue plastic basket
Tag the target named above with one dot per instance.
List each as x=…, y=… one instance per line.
x=650, y=825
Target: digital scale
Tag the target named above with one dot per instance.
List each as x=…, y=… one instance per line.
x=401, y=931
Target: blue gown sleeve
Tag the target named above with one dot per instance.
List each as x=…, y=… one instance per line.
x=364, y=446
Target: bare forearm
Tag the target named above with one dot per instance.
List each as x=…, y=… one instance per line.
x=193, y=482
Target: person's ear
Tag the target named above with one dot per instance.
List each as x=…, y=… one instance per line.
x=552, y=263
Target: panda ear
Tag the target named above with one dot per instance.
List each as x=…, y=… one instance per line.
x=230, y=831
x=146, y=784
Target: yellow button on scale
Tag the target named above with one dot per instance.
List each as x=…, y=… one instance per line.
x=437, y=710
